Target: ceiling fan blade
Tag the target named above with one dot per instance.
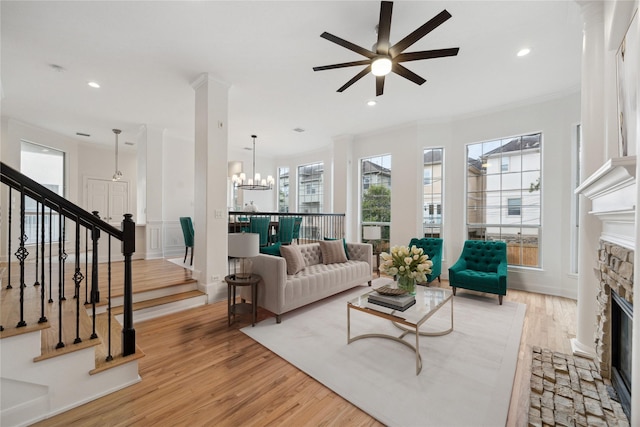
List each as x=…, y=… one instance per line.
x=357, y=77
x=426, y=54
x=384, y=27
x=342, y=65
x=425, y=29
x=407, y=74
x=379, y=85
x=346, y=44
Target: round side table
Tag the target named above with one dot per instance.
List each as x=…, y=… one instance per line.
x=243, y=307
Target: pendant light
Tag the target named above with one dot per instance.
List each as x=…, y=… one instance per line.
x=255, y=183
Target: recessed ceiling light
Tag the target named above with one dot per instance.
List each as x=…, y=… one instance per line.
x=94, y=85
x=524, y=52
x=371, y=103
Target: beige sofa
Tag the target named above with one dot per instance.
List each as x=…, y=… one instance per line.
x=280, y=293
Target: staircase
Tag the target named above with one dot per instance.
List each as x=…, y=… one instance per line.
x=66, y=320
x=40, y=380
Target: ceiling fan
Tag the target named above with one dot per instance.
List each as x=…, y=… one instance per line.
x=384, y=58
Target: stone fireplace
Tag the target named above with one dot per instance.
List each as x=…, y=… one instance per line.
x=616, y=275
x=612, y=191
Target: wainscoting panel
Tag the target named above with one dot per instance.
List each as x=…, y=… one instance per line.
x=173, y=239
x=154, y=239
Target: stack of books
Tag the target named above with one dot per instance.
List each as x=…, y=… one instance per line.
x=396, y=302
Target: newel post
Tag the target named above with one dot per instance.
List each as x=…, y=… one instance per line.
x=128, y=248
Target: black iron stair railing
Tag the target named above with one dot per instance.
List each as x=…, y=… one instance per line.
x=48, y=202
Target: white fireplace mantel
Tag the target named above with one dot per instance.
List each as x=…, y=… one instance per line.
x=612, y=191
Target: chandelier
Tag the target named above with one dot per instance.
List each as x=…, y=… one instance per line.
x=117, y=175
x=255, y=183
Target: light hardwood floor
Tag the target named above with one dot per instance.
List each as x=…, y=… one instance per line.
x=200, y=372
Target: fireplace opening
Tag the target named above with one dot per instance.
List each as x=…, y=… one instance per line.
x=621, y=342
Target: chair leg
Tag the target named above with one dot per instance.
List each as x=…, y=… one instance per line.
x=186, y=251
x=500, y=299
x=454, y=290
x=439, y=279
x=191, y=263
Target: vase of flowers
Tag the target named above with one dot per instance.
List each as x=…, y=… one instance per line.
x=409, y=265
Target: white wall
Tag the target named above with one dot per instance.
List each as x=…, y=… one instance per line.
x=178, y=191
x=556, y=118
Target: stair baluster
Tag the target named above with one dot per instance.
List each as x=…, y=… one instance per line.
x=109, y=355
x=61, y=256
x=36, y=283
x=63, y=220
x=86, y=265
x=43, y=318
x=10, y=209
x=77, y=279
x=22, y=254
x=95, y=292
x=50, y=255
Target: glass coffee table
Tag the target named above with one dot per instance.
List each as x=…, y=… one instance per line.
x=428, y=302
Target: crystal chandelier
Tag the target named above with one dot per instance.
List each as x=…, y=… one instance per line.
x=255, y=183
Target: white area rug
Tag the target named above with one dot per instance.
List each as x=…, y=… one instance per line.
x=178, y=261
x=467, y=375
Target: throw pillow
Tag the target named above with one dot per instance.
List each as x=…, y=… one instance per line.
x=346, y=252
x=293, y=257
x=332, y=251
x=271, y=249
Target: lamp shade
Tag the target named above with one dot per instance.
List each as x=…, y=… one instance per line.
x=372, y=232
x=244, y=245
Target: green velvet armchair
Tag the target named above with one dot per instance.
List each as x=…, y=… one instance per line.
x=431, y=246
x=482, y=267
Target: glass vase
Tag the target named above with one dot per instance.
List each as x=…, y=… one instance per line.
x=408, y=284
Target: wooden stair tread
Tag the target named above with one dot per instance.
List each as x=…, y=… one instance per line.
x=160, y=301
x=103, y=301
x=102, y=351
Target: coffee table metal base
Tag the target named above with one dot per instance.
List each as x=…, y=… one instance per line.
x=406, y=327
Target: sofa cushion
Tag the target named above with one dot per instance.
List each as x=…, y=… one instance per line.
x=293, y=257
x=271, y=249
x=344, y=242
x=332, y=252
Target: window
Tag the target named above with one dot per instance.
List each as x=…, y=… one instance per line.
x=46, y=166
x=505, y=204
x=432, y=192
x=505, y=164
x=310, y=188
x=283, y=189
x=513, y=206
x=426, y=180
x=375, y=207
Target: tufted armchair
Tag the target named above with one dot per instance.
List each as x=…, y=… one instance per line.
x=482, y=267
x=433, y=247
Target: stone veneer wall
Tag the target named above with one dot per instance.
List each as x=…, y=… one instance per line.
x=615, y=272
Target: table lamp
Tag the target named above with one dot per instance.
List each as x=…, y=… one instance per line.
x=244, y=246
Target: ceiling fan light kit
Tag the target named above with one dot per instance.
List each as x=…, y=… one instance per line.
x=384, y=58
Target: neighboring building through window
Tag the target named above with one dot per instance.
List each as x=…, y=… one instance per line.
x=432, y=192
x=46, y=166
x=506, y=204
x=283, y=189
x=310, y=188
x=375, y=207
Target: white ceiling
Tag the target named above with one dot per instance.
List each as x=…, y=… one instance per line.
x=145, y=54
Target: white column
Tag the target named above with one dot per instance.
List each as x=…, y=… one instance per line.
x=210, y=213
x=591, y=158
x=341, y=155
x=635, y=350
x=150, y=188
